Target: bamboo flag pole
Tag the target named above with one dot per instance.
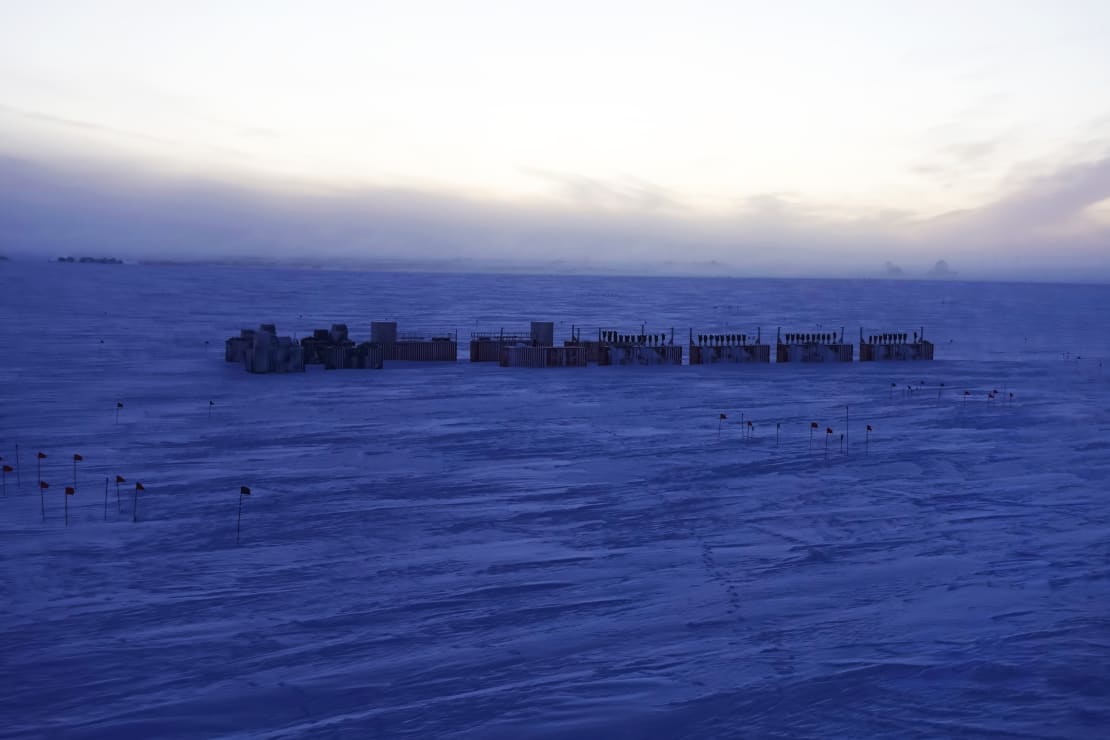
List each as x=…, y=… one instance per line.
x=119, y=405
x=40, y=457
x=812, y=426
x=70, y=490
x=43, y=485
x=119, y=506
x=76, y=459
x=867, y=440
x=135, y=502
x=243, y=491
x=720, y=418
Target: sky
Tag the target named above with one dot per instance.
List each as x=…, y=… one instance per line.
x=838, y=138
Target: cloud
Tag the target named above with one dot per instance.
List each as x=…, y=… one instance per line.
x=1044, y=213
x=1038, y=231
x=85, y=126
x=592, y=193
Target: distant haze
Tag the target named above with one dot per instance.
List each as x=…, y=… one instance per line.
x=899, y=140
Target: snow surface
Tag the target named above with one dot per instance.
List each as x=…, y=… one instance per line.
x=468, y=551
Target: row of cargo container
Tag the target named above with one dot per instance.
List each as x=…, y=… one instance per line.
x=261, y=350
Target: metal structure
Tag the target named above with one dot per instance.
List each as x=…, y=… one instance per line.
x=819, y=346
x=894, y=346
x=710, y=348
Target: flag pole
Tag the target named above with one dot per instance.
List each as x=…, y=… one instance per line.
x=70, y=490
x=43, y=485
x=135, y=503
x=243, y=491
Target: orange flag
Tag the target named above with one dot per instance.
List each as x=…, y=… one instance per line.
x=77, y=458
x=42, y=455
x=8, y=468
x=139, y=487
x=70, y=491
x=120, y=479
x=43, y=485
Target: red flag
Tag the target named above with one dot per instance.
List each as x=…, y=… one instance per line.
x=244, y=491
x=813, y=425
x=120, y=479
x=77, y=458
x=70, y=491
x=139, y=487
x=8, y=468
x=43, y=485
x=42, y=455
x=723, y=416
x=869, y=427
x=828, y=430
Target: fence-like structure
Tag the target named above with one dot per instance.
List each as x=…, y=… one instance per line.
x=812, y=347
x=894, y=346
x=710, y=348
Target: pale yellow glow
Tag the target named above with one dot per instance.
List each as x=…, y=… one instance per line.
x=852, y=108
